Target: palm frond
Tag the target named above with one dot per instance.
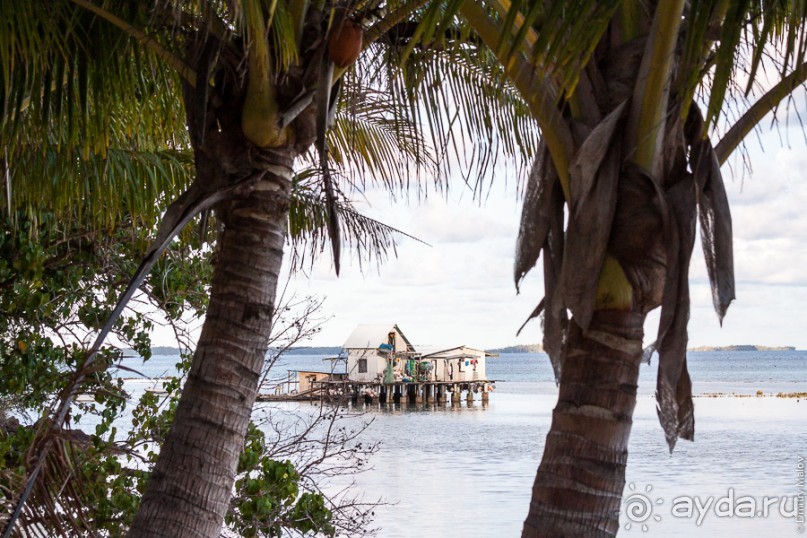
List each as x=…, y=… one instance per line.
x=83, y=76
x=736, y=48
x=452, y=91
x=91, y=123
x=367, y=138
x=369, y=240
x=559, y=38
x=55, y=507
x=98, y=190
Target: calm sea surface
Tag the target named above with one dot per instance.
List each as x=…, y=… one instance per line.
x=467, y=472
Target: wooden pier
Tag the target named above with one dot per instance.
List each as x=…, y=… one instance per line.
x=430, y=392
x=381, y=366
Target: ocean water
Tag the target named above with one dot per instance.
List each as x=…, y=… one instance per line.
x=467, y=471
x=739, y=372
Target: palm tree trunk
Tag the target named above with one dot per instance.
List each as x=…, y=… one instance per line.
x=578, y=488
x=190, y=489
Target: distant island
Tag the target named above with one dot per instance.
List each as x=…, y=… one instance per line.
x=325, y=350
x=164, y=350
x=156, y=350
x=538, y=348
x=743, y=347
x=523, y=348
x=173, y=351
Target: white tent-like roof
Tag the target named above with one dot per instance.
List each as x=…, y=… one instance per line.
x=370, y=336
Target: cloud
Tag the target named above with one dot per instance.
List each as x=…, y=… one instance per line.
x=450, y=223
x=461, y=290
x=770, y=230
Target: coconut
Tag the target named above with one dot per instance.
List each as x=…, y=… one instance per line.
x=344, y=44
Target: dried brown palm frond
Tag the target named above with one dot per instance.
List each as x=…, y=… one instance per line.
x=57, y=504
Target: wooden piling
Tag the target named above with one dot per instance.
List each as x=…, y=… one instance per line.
x=430, y=392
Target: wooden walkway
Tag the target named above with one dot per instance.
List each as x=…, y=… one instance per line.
x=377, y=392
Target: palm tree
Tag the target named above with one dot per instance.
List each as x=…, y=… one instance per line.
x=629, y=96
x=100, y=97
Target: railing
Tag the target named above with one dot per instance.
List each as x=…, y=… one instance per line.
x=289, y=385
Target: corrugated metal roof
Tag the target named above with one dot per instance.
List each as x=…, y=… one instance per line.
x=370, y=336
x=439, y=352
x=434, y=350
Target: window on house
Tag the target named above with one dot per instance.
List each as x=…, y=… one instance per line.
x=362, y=366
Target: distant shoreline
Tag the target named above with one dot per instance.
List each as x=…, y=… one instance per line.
x=173, y=351
x=522, y=348
x=538, y=348
x=743, y=347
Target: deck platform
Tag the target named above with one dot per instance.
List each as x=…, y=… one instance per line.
x=429, y=392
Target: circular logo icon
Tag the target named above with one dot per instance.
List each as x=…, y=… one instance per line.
x=639, y=508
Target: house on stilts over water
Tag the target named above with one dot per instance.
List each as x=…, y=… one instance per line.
x=383, y=366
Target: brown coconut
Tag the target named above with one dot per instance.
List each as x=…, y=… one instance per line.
x=344, y=44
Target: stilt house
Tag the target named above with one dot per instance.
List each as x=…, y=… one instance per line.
x=370, y=348
x=382, y=353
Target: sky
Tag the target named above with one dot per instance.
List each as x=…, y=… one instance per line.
x=459, y=290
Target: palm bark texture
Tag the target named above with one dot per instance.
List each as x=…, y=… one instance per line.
x=86, y=80
x=239, y=139
x=246, y=126
x=624, y=173
x=646, y=226
x=625, y=170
